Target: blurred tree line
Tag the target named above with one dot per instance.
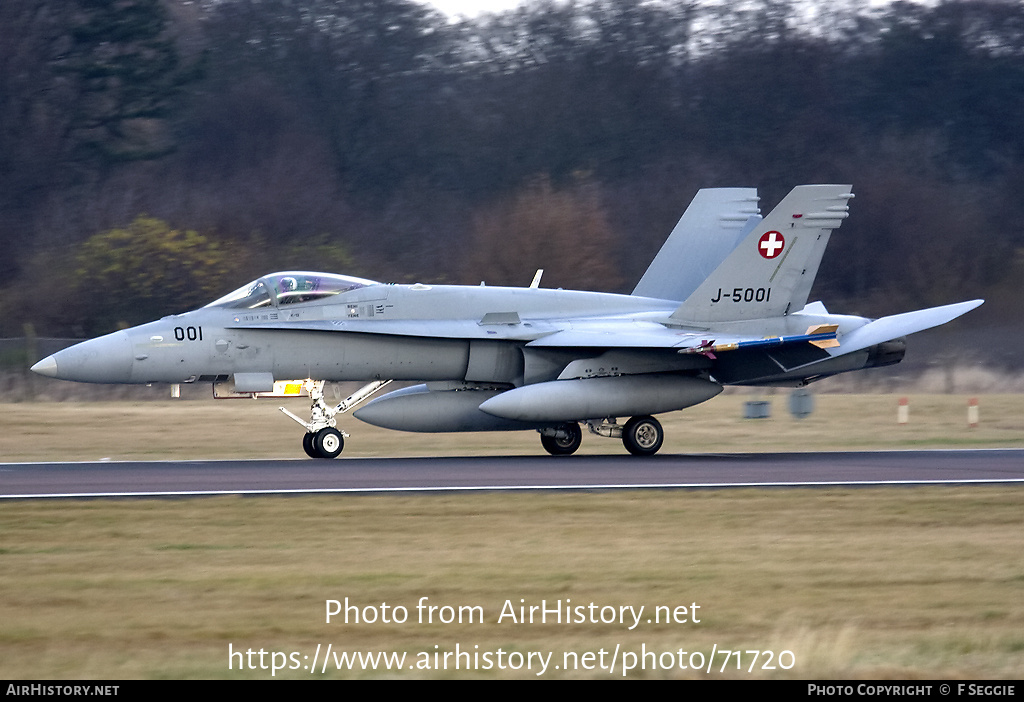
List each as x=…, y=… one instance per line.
x=166, y=151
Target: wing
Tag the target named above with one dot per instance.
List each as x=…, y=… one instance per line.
x=829, y=345
x=649, y=335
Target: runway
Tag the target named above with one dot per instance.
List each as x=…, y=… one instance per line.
x=370, y=475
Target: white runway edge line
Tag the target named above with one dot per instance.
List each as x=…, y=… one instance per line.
x=519, y=488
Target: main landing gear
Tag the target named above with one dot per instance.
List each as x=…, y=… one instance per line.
x=563, y=440
x=641, y=435
x=322, y=438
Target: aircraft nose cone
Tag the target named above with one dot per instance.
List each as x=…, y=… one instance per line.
x=47, y=367
x=107, y=359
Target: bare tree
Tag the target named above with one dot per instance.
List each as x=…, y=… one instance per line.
x=565, y=232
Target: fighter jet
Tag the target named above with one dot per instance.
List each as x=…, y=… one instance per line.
x=723, y=303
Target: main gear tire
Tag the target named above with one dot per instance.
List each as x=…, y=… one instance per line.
x=566, y=442
x=643, y=436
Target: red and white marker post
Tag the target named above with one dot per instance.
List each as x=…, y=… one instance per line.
x=903, y=411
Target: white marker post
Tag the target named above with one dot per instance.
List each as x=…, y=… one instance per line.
x=972, y=413
x=903, y=411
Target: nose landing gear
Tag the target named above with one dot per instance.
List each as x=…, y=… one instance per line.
x=322, y=438
x=326, y=443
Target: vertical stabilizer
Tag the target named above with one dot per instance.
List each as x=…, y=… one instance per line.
x=770, y=272
x=712, y=225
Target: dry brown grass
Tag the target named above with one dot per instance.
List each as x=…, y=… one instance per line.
x=890, y=583
x=255, y=429
x=870, y=583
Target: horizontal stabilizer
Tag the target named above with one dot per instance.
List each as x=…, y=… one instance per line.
x=897, y=325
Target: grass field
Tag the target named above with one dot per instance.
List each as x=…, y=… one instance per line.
x=853, y=583
x=255, y=429
x=872, y=583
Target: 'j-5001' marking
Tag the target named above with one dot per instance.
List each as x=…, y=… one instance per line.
x=745, y=295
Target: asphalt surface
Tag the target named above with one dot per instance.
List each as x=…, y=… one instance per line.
x=137, y=478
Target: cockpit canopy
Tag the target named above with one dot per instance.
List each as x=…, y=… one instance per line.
x=289, y=288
